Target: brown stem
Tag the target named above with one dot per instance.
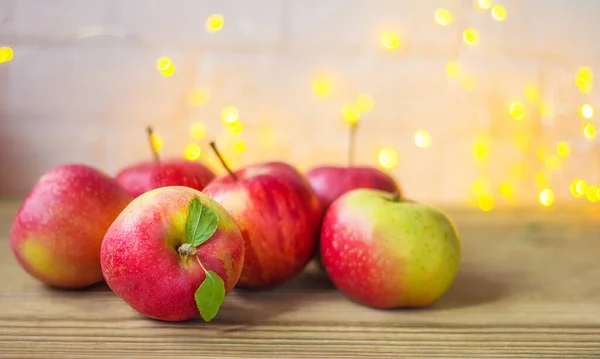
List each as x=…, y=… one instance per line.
x=186, y=250
x=214, y=147
x=395, y=197
x=351, y=144
x=154, y=152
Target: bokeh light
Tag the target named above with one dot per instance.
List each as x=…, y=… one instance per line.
x=453, y=69
x=239, y=145
x=198, y=97
x=553, y=162
x=481, y=150
x=592, y=193
x=589, y=131
x=321, y=86
x=471, y=36
x=235, y=128
x=546, y=197
x=485, y=202
x=563, y=149
x=388, y=158
x=584, y=79
x=481, y=186
x=517, y=110
x=6, y=54
x=214, y=23
x=484, y=4
x=443, y=17
x=499, y=13
x=542, y=179
x=351, y=113
x=532, y=92
x=197, y=130
x=165, y=66
x=390, y=40
x=507, y=189
x=586, y=111
x=422, y=139
x=365, y=102
x=546, y=109
x=578, y=188
x=192, y=152
x=229, y=114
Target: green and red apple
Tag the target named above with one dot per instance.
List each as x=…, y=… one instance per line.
x=387, y=252
x=153, y=259
x=57, y=233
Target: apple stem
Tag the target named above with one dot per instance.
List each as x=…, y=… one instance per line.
x=154, y=152
x=396, y=197
x=351, y=145
x=186, y=250
x=214, y=147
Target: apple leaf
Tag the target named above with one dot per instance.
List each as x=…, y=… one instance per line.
x=210, y=295
x=201, y=224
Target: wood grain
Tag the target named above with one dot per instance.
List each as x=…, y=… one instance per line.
x=528, y=288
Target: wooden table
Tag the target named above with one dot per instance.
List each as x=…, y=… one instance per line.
x=529, y=287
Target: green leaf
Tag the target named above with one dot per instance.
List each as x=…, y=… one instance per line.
x=210, y=295
x=201, y=224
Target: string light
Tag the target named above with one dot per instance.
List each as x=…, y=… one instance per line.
x=443, y=17
x=197, y=130
x=321, y=86
x=486, y=202
x=390, y=40
x=157, y=142
x=484, y=4
x=422, y=139
x=471, y=36
x=351, y=113
x=214, y=23
x=532, y=92
x=546, y=197
x=6, y=54
x=453, y=69
x=578, y=188
x=165, y=66
x=563, y=149
x=192, y=152
x=229, y=114
x=198, y=97
x=388, y=158
x=589, y=131
x=499, y=13
x=517, y=111
x=592, y=193
x=365, y=103
x=586, y=111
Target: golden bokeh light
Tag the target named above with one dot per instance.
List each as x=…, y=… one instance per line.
x=157, y=142
x=198, y=97
x=229, y=114
x=321, y=86
x=165, y=66
x=578, y=188
x=192, y=152
x=422, y=139
x=592, y=193
x=532, y=92
x=453, y=69
x=546, y=197
x=546, y=109
x=365, y=102
x=485, y=202
x=481, y=150
x=563, y=149
x=542, y=179
x=517, y=110
x=239, y=145
x=443, y=17
x=553, y=162
x=214, y=23
x=589, y=131
x=586, y=111
x=507, y=189
x=235, y=128
x=351, y=113
x=499, y=13
x=6, y=54
x=390, y=40
x=481, y=186
x=388, y=158
x=584, y=79
x=471, y=36
x=197, y=130
x=484, y=4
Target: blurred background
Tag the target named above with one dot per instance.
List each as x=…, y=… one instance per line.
x=480, y=103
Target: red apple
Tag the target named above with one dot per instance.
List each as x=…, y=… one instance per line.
x=145, y=176
x=143, y=257
x=330, y=182
x=386, y=252
x=57, y=233
x=278, y=214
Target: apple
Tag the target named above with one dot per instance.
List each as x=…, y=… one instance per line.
x=330, y=182
x=58, y=230
x=386, y=252
x=278, y=214
x=144, y=258
x=144, y=176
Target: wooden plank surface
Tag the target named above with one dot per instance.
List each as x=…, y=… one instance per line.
x=528, y=287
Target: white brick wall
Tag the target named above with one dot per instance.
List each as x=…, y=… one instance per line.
x=83, y=84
